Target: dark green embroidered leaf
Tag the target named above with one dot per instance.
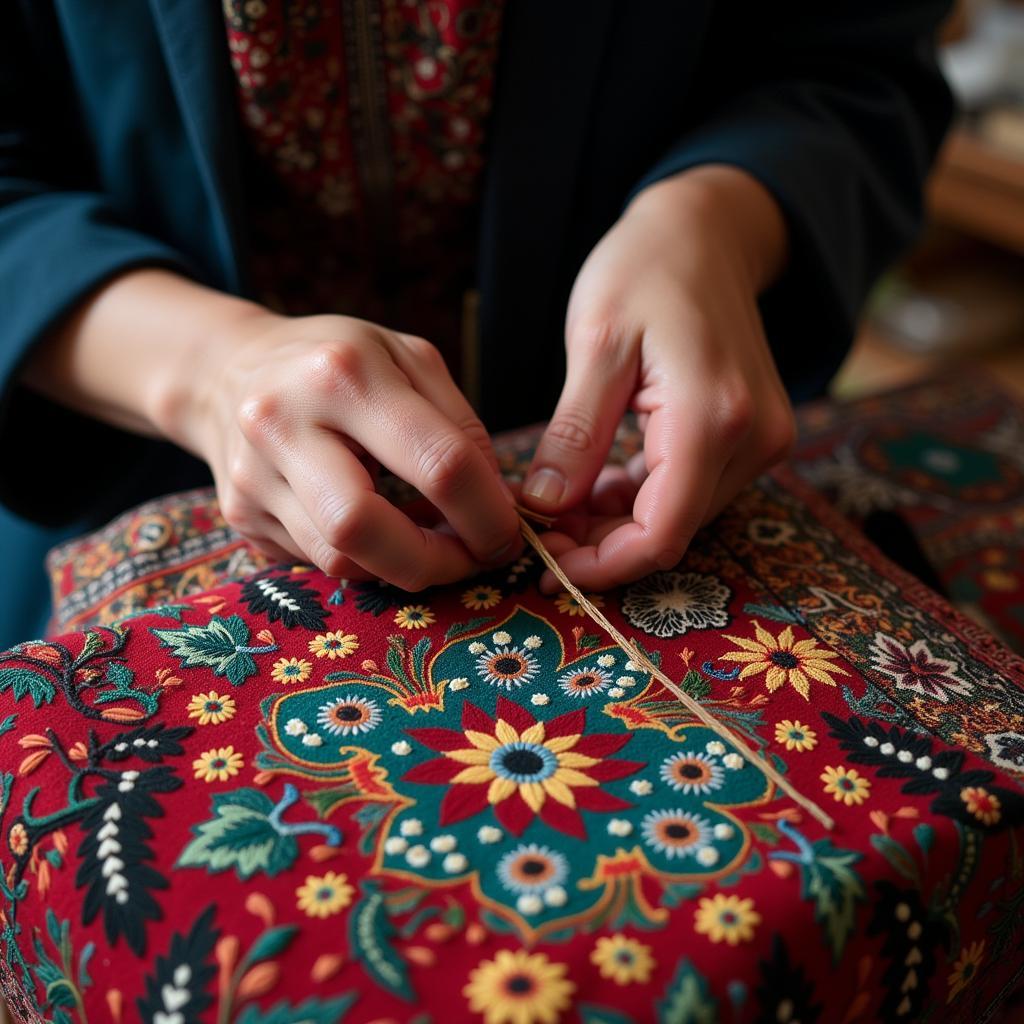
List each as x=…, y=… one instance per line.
x=240, y=836
x=591, y=1013
x=8, y=724
x=179, y=982
x=283, y=599
x=900, y=861
x=22, y=681
x=675, y=893
x=312, y=1011
x=114, y=856
x=151, y=743
x=766, y=833
x=696, y=685
x=370, y=933
x=59, y=992
x=829, y=880
x=774, y=611
x=588, y=642
x=687, y=999
x=273, y=942
x=458, y=628
x=219, y=645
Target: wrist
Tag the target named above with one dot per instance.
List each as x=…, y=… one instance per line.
x=721, y=208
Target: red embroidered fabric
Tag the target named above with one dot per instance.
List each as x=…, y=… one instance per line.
x=367, y=120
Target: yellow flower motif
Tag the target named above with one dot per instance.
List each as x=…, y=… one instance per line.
x=414, y=616
x=517, y=987
x=726, y=919
x=846, y=785
x=985, y=806
x=795, y=735
x=622, y=959
x=334, y=645
x=211, y=708
x=965, y=970
x=323, y=895
x=291, y=670
x=217, y=765
x=784, y=660
x=479, y=599
x=17, y=839
x=565, y=602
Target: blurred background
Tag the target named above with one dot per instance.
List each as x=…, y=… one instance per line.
x=958, y=297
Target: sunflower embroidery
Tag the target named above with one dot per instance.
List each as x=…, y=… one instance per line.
x=517, y=987
x=349, y=716
x=506, y=665
x=965, y=970
x=726, y=918
x=211, y=708
x=982, y=804
x=622, y=959
x=585, y=682
x=531, y=868
x=692, y=773
x=847, y=785
x=795, y=736
x=217, y=765
x=668, y=604
x=321, y=896
x=568, y=604
x=522, y=768
x=333, y=645
x=479, y=599
x=784, y=660
x=679, y=834
x=414, y=616
x=291, y=670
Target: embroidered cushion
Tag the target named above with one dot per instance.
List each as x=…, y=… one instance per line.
x=282, y=800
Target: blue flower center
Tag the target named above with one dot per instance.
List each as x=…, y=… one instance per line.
x=523, y=762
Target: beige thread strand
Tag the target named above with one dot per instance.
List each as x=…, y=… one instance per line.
x=631, y=649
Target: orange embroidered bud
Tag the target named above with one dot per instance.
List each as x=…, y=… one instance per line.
x=32, y=762
x=258, y=981
x=687, y=655
x=258, y=904
x=781, y=868
x=33, y=739
x=880, y=820
x=421, y=955
x=44, y=652
x=226, y=953
x=262, y=778
x=60, y=842
x=115, y=1003
x=368, y=665
x=43, y=877
x=326, y=966
x=166, y=678
x=907, y=812
x=265, y=636
x=123, y=714
x=79, y=751
x=322, y=852
x=475, y=933
x=438, y=931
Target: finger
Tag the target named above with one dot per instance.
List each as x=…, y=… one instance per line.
x=600, y=378
x=350, y=517
x=613, y=492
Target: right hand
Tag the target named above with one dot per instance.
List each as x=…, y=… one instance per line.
x=289, y=411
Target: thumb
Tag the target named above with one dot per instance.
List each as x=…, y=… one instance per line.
x=599, y=382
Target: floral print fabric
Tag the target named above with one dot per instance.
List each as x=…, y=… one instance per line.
x=290, y=800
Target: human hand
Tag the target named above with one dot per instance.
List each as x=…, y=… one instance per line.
x=663, y=319
x=291, y=415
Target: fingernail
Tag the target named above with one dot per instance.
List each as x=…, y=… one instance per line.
x=546, y=485
x=502, y=553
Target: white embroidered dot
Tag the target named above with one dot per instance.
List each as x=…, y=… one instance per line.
x=477, y=648
x=632, y=666
x=152, y=743
x=529, y=903
x=616, y=691
x=501, y=637
x=120, y=747
x=455, y=863
x=941, y=773
x=870, y=741
x=905, y=756
x=459, y=683
x=555, y=896
x=295, y=727
x=733, y=761
x=641, y=787
x=924, y=763
x=139, y=742
x=715, y=747
x=411, y=827
x=619, y=827
x=540, y=699
x=395, y=846
x=887, y=749
x=532, y=642
x=489, y=834
x=417, y=856
x=443, y=844
x=606, y=660
x=723, y=830
x=626, y=681
x=130, y=774
x=902, y=912
x=707, y=856
x=312, y=739
x=401, y=748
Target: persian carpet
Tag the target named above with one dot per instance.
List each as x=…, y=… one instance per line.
x=282, y=800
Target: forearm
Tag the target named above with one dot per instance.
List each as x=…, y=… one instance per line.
x=131, y=353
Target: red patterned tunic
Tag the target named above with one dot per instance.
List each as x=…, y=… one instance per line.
x=366, y=118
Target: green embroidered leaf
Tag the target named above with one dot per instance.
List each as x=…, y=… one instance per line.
x=925, y=835
x=218, y=645
x=370, y=933
x=458, y=628
x=696, y=685
x=590, y=1013
x=687, y=1000
x=22, y=681
x=900, y=861
x=766, y=833
x=312, y=1011
x=8, y=724
x=93, y=644
x=831, y=882
x=240, y=836
x=588, y=642
x=773, y=611
x=675, y=893
x=273, y=942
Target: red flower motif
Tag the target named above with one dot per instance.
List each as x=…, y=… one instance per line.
x=522, y=768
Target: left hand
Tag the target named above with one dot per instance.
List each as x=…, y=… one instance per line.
x=663, y=319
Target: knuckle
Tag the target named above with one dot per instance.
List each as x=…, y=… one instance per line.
x=423, y=350
x=736, y=413
x=342, y=521
x=336, y=368
x=328, y=560
x=444, y=464
x=236, y=510
x=779, y=435
x=259, y=418
x=571, y=430
x=242, y=477
x=595, y=335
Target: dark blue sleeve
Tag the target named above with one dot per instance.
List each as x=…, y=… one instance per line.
x=59, y=240
x=838, y=110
